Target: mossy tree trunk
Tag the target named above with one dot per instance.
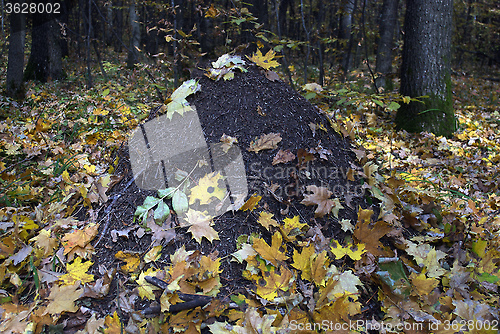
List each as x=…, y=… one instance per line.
x=425, y=70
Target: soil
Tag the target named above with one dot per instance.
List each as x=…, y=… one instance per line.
x=246, y=107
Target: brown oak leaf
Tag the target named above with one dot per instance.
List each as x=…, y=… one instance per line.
x=265, y=142
x=283, y=157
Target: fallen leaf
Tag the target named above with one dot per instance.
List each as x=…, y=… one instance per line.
x=207, y=189
x=321, y=197
x=62, y=299
x=265, y=61
x=283, y=157
x=370, y=235
x=200, y=225
x=273, y=253
x=265, y=142
x=77, y=271
x=266, y=220
x=132, y=259
x=251, y=203
x=227, y=142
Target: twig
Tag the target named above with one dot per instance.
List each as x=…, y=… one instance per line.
x=108, y=209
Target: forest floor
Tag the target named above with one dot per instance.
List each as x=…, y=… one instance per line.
x=419, y=245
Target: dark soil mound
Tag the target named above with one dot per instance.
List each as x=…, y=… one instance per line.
x=247, y=107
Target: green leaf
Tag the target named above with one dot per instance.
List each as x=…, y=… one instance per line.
x=393, y=106
x=162, y=193
x=180, y=175
x=310, y=95
x=238, y=21
x=486, y=277
x=393, y=274
x=149, y=203
x=105, y=92
x=379, y=103
x=179, y=202
x=161, y=213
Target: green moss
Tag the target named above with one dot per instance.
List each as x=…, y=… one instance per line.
x=434, y=115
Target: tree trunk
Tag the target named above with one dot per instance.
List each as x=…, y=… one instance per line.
x=345, y=34
x=135, y=36
x=15, y=87
x=388, y=22
x=55, y=54
x=425, y=70
x=45, y=61
x=118, y=25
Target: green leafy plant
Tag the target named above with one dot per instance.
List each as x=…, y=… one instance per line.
x=161, y=209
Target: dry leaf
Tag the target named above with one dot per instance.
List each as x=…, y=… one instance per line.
x=201, y=226
x=283, y=157
x=273, y=253
x=321, y=197
x=227, y=142
x=266, y=220
x=77, y=271
x=265, y=142
x=62, y=299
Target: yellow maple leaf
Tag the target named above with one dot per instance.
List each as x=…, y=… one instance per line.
x=302, y=261
x=274, y=282
x=353, y=251
x=272, y=253
x=207, y=188
x=44, y=241
x=146, y=289
x=208, y=276
x=62, y=299
x=77, y=271
x=265, y=61
x=132, y=260
x=25, y=224
x=200, y=225
x=113, y=324
x=266, y=220
x=319, y=265
x=291, y=228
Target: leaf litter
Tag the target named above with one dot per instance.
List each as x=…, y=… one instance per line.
x=428, y=255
